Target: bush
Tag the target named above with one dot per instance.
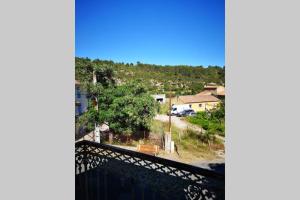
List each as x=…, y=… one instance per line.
x=204, y=124
x=221, y=128
x=163, y=108
x=213, y=122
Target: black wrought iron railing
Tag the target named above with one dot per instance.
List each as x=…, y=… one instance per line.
x=107, y=172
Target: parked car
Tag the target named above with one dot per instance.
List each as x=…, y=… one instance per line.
x=176, y=109
x=189, y=112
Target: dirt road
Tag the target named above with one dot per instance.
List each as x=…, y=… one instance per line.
x=176, y=121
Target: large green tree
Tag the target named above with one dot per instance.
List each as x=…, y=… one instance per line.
x=95, y=78
x=126, y=108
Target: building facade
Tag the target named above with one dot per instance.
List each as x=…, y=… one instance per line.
x=199, y=103
x=81, y=101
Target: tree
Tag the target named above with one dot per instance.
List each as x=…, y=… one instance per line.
x=129, y=108
x=86, y=71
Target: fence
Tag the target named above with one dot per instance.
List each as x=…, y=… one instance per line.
x=107, y=172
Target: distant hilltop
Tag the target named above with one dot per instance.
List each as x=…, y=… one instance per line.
x=182, y=79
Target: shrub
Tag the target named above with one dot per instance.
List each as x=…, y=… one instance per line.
x=213, y=122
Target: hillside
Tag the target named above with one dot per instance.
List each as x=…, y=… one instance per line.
x=158, y=79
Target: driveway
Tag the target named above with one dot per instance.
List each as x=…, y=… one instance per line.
x=176, y=121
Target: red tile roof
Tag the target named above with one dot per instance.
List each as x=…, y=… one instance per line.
x=198, y=98
x=205, y=92
x=210, y=87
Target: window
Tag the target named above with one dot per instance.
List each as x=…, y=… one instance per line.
x=159, y=99
x=200, y=105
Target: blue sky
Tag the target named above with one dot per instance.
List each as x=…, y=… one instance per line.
x=166, y=32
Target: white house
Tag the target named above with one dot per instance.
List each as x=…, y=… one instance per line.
x=81, y=101
x=161, y=98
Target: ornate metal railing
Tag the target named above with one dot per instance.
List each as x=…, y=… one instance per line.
x=107, y=172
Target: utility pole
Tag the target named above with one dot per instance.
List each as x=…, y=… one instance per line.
x=169, y=144
x=170, y=108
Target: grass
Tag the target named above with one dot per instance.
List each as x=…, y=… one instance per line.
x=188, y=142
x=190, y=146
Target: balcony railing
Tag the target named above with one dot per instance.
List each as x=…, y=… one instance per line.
x=107, y=172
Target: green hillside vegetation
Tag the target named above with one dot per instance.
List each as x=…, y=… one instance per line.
x=182, y=79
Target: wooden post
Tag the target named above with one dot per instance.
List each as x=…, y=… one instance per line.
x=168, y=135
x=110, y=138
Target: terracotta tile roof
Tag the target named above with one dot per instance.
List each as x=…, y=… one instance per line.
x=198, y=98
x=205, y=92
x=210, y=87
x=212, y=92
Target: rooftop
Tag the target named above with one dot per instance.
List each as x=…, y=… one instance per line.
x=198, y=98
x=205, y=92
x=210, y=87
x=208, y=92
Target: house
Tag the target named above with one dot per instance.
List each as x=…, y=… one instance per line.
x=81, y=101
x=216, y=90
x=199, y=102
x=161, y=98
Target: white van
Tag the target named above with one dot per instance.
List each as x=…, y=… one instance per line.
x=176, y=109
